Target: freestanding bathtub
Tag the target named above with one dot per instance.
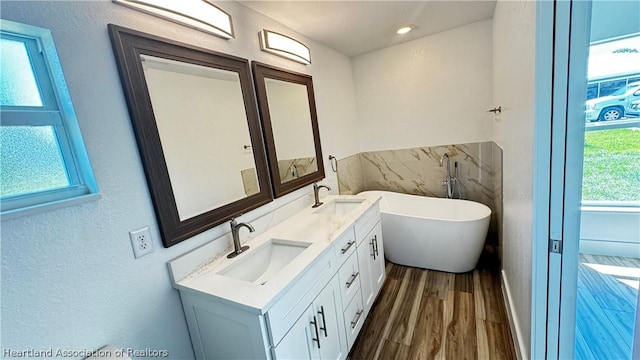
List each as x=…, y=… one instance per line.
x=432, y=233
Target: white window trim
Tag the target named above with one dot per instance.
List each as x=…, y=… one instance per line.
x=84, y=187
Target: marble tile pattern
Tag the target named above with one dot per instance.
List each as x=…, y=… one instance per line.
x=294, y=168
x=250, y=181
x=417, y=171
x=350, y=175
x=497, y=191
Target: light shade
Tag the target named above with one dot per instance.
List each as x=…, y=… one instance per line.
x=198, y=14
x=284, y=46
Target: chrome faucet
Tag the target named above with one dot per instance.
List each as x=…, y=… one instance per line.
x=445, y=155
x=235, y=228
x=450, y=180
x=316, y=190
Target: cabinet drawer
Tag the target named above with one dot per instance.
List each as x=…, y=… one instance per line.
x=349, y=276
x=344, y=246
x=286, y=311
x=367, y=222
x=353, y=319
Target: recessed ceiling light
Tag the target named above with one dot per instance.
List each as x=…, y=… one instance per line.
x=404, y=29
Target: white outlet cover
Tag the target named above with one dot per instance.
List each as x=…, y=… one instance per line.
x=141, y=242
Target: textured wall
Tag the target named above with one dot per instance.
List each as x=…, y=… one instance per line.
x=429, y=91
x=69, y=279
x=513, y=88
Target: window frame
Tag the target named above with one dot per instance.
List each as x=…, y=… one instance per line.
x=56, y=111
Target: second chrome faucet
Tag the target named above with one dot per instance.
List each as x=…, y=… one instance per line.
x=316, y=190
x=235, y=229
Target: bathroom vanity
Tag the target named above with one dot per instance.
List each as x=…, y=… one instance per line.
x=302, y=290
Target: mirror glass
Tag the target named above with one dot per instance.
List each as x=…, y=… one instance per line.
x=287, y=107
x=292, y=132
x=198, y=132
x=205, y=153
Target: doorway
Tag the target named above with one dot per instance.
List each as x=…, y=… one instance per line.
x=609, y=250
x=588, y=226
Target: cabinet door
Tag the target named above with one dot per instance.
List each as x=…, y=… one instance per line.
x=365, y=256
x=378, y=273
x=372, y=266
x=299, y=342
x=328, y=310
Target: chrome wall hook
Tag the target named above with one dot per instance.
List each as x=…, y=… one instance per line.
x=497, y=110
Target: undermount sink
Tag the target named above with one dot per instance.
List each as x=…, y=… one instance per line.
x=339, y=207
x=259, y=265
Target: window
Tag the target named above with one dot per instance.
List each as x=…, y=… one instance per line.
x=43, y=161
x=612, y=141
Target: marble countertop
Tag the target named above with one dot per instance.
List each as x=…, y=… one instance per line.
x=319, y=230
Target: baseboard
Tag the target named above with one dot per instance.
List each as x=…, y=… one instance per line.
x=513, y=320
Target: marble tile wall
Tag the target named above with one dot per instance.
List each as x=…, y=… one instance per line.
x=250, y=181
x=293, y=168
x=417, y=171
x=350, y=175
x=497, y=191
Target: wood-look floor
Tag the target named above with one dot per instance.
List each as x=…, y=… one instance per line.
x=606, y=306
x=426, y=314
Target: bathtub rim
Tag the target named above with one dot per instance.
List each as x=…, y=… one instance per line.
x=472, y=218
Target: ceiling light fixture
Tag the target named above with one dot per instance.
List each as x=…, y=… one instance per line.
x=284, y=46
x=404, y=29
x=198, y=14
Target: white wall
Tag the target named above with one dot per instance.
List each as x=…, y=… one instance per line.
x=430, y=91
x=513, y=89
x=69, y=279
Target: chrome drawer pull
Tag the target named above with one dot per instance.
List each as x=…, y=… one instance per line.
x=352, y=279
x=355, y=321
x=349, y=244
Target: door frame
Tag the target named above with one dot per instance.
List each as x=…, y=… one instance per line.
x=562, y=43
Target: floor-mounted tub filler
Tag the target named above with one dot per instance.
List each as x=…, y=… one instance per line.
x=432, y=233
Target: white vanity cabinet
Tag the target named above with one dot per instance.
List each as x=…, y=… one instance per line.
x=318, y=333
x=312, y=310
x=370, y=257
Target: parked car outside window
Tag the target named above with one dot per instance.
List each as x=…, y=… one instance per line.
x=612, y=107
x=634, y=108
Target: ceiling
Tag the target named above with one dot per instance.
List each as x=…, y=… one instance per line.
x=358, y=27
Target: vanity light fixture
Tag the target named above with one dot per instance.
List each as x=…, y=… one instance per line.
x=197, y=14
x=404, y=29
x=284, y=46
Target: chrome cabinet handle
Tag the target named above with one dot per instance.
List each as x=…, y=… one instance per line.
x=373, y=249
x=346, y=248
x=315, y=326
x=324, y=321
x=352, y=279
x=355, y=321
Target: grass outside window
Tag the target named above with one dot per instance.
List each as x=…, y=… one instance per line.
x=612, y=165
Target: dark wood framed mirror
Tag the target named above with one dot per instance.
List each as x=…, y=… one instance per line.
x=196, y=124
x=290, y=125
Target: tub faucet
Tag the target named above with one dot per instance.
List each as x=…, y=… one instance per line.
x=449, y=181
x=445, y=155
x=235, y=229
x=316, y=190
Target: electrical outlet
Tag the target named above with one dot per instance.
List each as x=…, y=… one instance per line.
x=141, y=242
